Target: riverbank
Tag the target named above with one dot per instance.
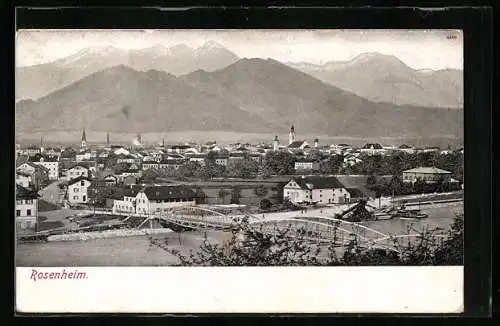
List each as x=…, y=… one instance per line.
x=138, y=251
x=83, y=236
x=122, y=251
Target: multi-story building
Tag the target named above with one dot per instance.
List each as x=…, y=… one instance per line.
x=154, y=199
x=51, y=163
x=77, y=190
x=77, y=171
x=316, y=189
x=39, y=174
x=26, y=209
x=373, y=149
x=406, y=148
x=23, y=179
x=84, y=156
x=426, y=174
x=306, y=165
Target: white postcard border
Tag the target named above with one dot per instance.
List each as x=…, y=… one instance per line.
x=240, y=290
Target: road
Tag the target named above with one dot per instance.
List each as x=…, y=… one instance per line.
x=52, y=193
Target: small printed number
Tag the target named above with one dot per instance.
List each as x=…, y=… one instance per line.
x=451, y=37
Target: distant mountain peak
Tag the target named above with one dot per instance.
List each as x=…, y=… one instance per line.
x=368, y=57
x=119, y=68
x=180, y=47
x=212, y=45
x=155, y=48
x=97, y=49
x=89, y=52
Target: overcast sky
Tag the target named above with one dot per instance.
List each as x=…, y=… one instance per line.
x=419, y=49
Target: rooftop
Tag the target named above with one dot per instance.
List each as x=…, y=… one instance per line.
x=319, y=182
x=161, y=192
x=80, y=178
x=296, y=144
x=428, y=170
x=25, y=193
x=373, y=146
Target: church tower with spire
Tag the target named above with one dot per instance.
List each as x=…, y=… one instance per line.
x=84, y=139
x=41, y=144
x=291, y=137
x=276, y=146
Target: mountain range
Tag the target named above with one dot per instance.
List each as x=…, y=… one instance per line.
x=385, y=78
x=33, y=82
x=248, y=95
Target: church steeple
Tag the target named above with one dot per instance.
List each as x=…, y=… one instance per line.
x=107, y=138
x=291, y=137
x=276, y=145
x=84, y=138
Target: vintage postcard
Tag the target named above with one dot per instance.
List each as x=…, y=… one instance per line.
x=185, y=171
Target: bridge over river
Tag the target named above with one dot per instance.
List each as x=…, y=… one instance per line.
x=319, y=225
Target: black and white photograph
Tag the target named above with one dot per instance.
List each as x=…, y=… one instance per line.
x=238, y=148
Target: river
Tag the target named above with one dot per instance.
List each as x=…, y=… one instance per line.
x=137, y=251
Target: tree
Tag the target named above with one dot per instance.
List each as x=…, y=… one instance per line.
x=280, y=163
x=314, y=155
x=121, y=167
x=283, y=246
x=265, y=204
x=99, y=193
x=222, y=194
x=396, y=185
x=235, y=195
x=332, y=165
x=243, y=168
x=189, y=169
x=211, y=169
x=371, y=181
x=260, y=191
x=68, y=152
x=150, y=175
x=200, y=195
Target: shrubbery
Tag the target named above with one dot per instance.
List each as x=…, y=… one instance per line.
x=249, y=246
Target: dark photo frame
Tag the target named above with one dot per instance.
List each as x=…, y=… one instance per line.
x=476, y=24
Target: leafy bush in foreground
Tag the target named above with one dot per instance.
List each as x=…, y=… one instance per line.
x=250, y=246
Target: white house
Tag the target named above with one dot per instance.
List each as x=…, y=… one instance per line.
x=431, y=149
x=351, y=159
x=306, y=165
x=26, y=209
x=77, y=171
x=222, y=160
x=154, y=199
x=373, y=149
x=77, y=190
x=146, y=165
x=121, y=150
x=83, y=156
x=23, y=179
x=125, y=159
x=316, y=189
x=51, y=164
x=407, y=149
x=199, y=158
x=426, y=174
x=180, y=149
